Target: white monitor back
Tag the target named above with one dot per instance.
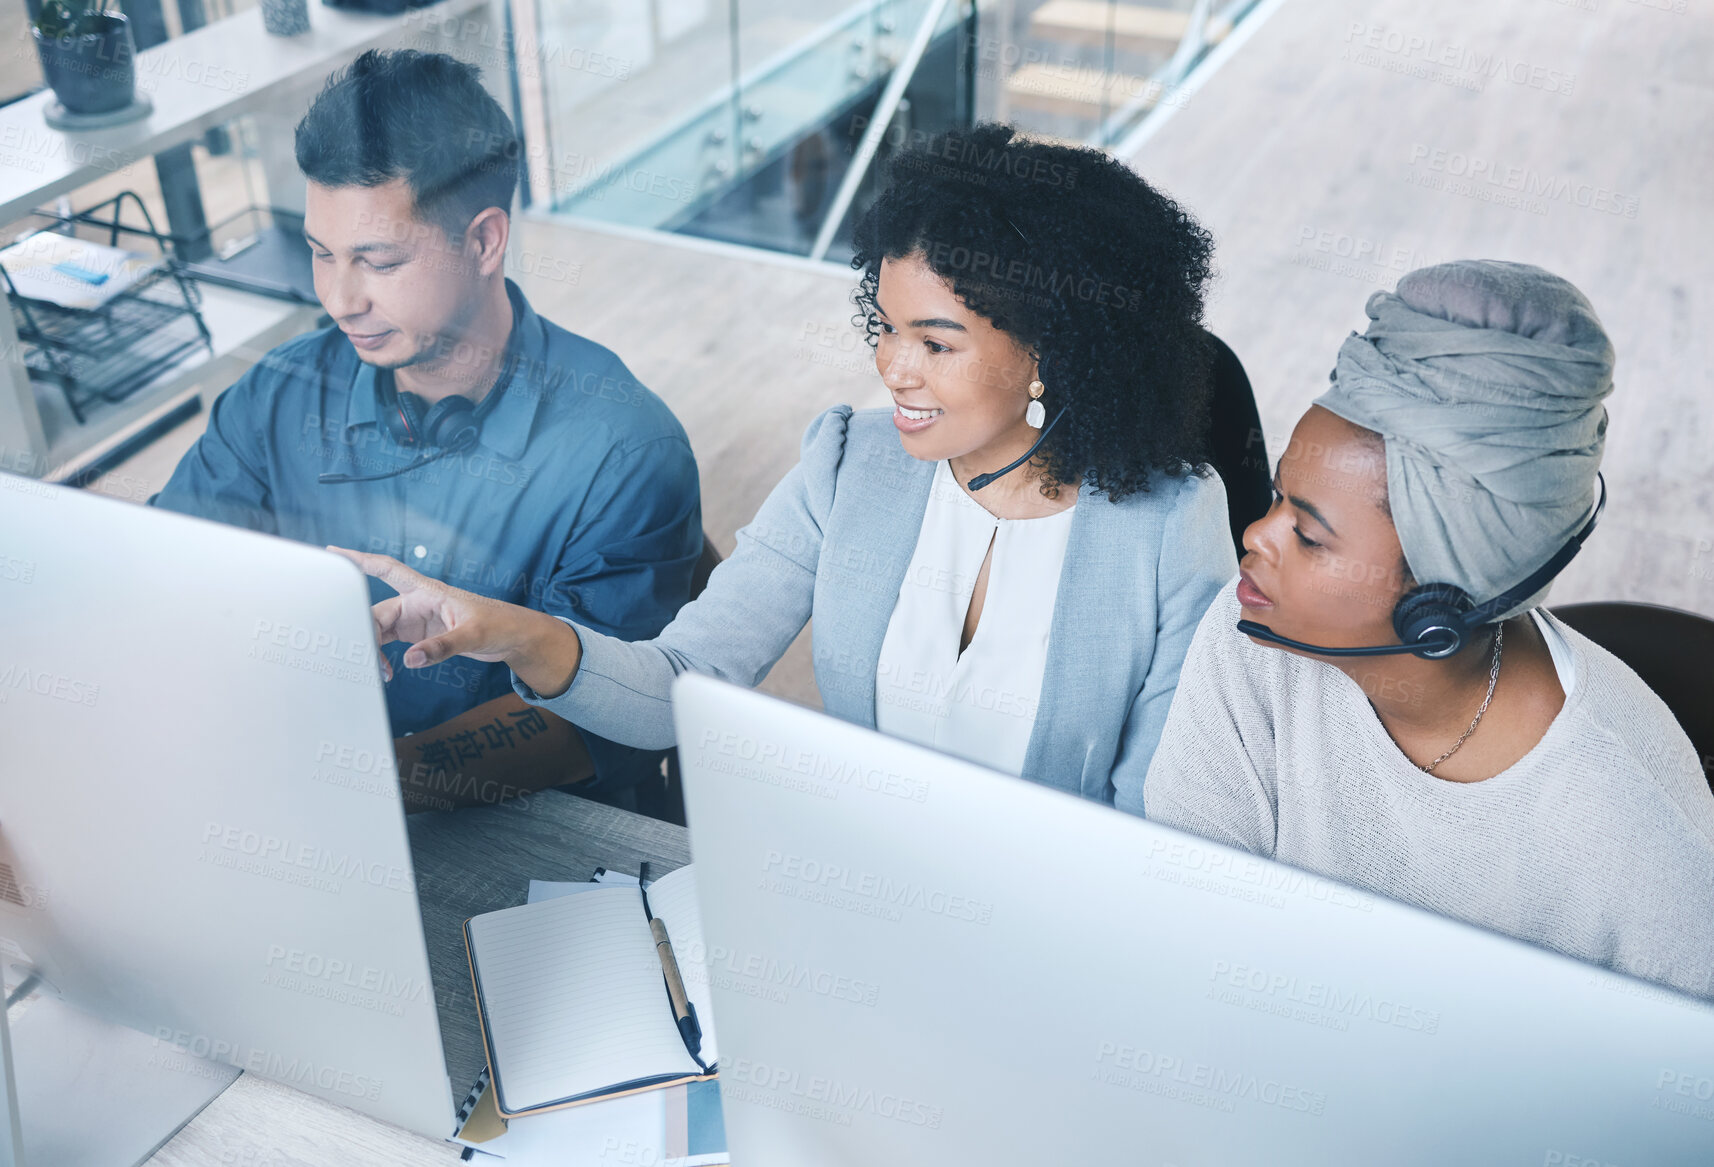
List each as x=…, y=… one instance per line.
x=200, y=821
x=919, y=961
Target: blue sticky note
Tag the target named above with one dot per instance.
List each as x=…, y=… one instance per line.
x=707, y=1124
x=81, y=273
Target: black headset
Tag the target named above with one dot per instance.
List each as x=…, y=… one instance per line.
x=449, y=426
x=449, y=423
x=981, y=480
x=1437, y=620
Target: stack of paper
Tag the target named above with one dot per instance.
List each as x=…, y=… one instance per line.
x=72, y=273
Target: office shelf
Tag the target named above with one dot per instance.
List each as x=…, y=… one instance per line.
x=107, y=353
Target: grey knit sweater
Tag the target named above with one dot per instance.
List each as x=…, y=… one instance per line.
x=1598, y=843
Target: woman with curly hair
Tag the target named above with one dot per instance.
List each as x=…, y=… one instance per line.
x=1007, y=565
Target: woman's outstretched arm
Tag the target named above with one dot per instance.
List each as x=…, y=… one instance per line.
x=754, y=606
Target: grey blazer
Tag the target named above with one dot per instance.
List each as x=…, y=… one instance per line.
x=833, y=541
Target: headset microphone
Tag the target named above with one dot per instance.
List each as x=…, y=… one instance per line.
x=339, y=479
x=981, y=480
x=1443, y=646
x=1437, y=620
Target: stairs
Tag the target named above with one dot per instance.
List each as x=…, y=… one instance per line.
x=1075, y=91
x=1085, y=60
x=1135, y=27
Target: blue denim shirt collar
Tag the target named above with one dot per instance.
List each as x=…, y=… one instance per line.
x=506, y=430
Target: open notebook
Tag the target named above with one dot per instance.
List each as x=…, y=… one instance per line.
x=572, y=1001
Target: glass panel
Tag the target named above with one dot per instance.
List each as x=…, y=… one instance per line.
x=757, y=162
x=738, y=119
x=637, y=103
x=805, y=113
x=1092, y=70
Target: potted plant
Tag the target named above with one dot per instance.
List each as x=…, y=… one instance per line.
x=88, y=56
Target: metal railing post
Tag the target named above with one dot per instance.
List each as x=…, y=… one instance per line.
x=878, y=123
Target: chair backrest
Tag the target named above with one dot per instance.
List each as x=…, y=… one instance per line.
x=1236, y=448
x=705, y=565
x=664, y=799
x=1671, y=650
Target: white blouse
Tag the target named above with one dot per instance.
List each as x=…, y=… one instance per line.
x=981, y=704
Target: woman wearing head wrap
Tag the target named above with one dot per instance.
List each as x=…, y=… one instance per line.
x=1529, y=782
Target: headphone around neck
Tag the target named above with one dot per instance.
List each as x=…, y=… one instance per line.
x=449, y=426
x=452, y=422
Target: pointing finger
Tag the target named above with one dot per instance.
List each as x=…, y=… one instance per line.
x=384, y=568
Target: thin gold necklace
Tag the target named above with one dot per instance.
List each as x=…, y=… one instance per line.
x=1493, y=678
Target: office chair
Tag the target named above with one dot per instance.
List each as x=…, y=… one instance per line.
x=663, y=798
x=705, y=565
x=1670, y=650
x=1236, y=448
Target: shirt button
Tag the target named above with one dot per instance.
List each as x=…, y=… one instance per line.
x=420, y=551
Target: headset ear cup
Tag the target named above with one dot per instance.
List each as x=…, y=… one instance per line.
x=462, y=435
x=450, y=423
x=404, y=419
x=1423, y=610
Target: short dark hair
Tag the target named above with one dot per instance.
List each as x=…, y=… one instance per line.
x=1077, y=258
x=423, y=117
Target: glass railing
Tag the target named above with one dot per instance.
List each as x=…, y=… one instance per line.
x=751, y=151
x=1091, y=70
x=745, y=120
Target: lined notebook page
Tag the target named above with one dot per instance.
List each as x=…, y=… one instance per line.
x=572, y=991
x=673, y=898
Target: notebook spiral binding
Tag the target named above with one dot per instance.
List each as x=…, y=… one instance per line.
x=468, y=1106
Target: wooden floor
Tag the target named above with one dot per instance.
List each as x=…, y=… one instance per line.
x=1325, y=168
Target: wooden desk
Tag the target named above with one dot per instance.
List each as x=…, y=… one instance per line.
x=467, y=861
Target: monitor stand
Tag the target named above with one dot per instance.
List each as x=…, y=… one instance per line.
x=82, y=1092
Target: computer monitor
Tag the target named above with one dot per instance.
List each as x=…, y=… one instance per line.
x=918, y=961
x=201, y=832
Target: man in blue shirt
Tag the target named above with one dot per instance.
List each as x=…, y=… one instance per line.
x=441, y=421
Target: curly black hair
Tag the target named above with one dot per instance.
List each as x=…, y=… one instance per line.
x=1095, y=272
